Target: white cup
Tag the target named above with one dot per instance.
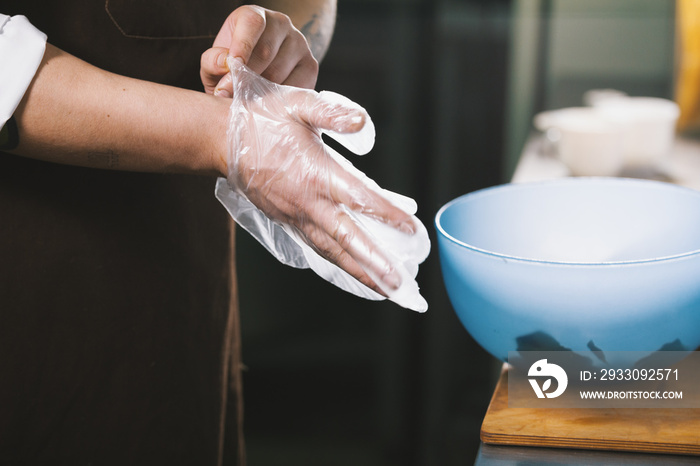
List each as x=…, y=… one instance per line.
x=587, y=142
x=594, y=96
x=649, y=127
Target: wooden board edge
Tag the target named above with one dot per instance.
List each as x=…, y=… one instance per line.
x=589, y=444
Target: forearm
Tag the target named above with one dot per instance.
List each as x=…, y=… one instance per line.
x=76, y=114
x=314, y=18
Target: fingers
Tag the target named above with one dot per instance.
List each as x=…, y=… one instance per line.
x=270, y=45
x=329, y=115
x=329, y=248
x=282, y=54
x=304, y=74
x=344, y=243
x=352, y=188
x=247, y=24
x=292, y=65
x=213, y=67
x=335, y=215
x=224, y=88
x=267, y=42
x=372, y=204
x=366, y=252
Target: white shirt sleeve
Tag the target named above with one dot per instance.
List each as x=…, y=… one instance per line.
x=21, y=50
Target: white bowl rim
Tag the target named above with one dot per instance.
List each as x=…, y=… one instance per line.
x=568, y=180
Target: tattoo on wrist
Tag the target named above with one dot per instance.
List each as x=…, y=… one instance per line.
x=9, y=135
x=314, y=36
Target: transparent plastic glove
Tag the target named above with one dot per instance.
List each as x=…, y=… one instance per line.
x=305, y=203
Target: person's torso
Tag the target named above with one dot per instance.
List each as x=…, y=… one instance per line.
x=114, y=286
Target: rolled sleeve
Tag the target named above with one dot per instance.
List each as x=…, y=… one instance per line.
x=21, y=50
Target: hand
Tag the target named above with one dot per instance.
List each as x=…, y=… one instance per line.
x=279, y=162
x=267, y=42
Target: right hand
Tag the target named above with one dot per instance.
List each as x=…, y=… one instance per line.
x=267, y=42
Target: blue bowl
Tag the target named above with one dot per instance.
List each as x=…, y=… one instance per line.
x=595, y=266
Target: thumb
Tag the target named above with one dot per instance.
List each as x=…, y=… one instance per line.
x=212, y=67
x=340, y=118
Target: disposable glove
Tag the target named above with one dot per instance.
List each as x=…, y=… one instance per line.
x=308, y=205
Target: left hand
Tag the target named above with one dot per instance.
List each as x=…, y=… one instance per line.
x=267, y=42
x=279, y=162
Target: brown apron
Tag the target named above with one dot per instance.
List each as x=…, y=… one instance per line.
x=118, y=318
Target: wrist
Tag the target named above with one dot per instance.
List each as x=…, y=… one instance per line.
x=198, y=141
x=217, y=137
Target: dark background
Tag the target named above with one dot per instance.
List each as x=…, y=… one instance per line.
x=334, y=379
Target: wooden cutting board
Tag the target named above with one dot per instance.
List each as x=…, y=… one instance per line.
x=674, y=431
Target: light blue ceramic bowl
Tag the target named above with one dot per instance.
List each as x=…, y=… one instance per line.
x=592, y=265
